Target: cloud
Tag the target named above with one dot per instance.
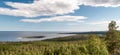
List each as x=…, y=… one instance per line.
x=99, y=22
x=56, y=19
x=102, y=3
x=41, y=8
x=52, y=7
x=101, y=25
x=103, y=22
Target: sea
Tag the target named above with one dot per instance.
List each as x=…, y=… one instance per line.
x=15, y=36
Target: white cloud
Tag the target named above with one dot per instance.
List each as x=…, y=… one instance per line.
x=103, y=22
x=102, y=3
x=53, y=7
x=71, y=24
x=24, y=13
x=41, y=8
x=99, y=23
x=56, y=19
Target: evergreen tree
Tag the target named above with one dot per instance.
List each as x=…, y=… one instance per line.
x=96, y=46
x=113, y=39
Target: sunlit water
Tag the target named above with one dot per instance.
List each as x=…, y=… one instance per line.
x=18, y=35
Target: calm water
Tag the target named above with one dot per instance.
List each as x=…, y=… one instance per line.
x=17, y=35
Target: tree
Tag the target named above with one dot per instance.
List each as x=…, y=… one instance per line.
x=112, y=26
x=113, y=39
x=96, y=46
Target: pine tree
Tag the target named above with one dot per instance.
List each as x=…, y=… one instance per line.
x=96, y=46
x=113, y=39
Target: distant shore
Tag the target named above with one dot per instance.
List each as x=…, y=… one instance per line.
x=34, y=37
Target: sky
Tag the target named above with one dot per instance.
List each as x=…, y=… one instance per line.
x=58, y=15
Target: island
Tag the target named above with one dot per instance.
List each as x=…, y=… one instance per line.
x=34, y=37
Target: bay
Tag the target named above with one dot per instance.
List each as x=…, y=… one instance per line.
x=20, y=35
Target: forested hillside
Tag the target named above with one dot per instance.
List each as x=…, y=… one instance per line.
x=93, y=45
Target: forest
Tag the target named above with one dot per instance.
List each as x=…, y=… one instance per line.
x=91, y=44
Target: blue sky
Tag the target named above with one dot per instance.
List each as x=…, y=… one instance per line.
x=55, y=15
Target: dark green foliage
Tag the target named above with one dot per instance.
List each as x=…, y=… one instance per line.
x=81, y=47
x=113, y=39
x=112, y=26
x=42, y=48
